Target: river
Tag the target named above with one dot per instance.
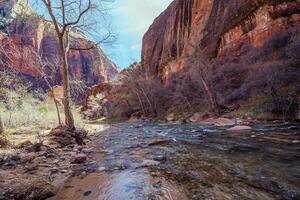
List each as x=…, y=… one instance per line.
x=152, y=160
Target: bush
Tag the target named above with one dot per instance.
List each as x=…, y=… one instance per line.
x=283, y=106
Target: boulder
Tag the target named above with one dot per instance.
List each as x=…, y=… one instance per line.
x=170, y=117
x=219, y=121
x=64, y=136
x=195, y=118
x=239, y=128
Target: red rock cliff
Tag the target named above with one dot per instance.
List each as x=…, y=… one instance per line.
x=218, y=27
x=22, y=38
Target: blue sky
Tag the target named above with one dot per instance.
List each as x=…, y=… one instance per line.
x=130, y=20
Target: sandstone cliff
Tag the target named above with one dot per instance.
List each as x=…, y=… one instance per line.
x=26, y=36
x=218, y=27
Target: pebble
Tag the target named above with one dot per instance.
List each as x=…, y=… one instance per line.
x=87, y=193
x=78, y=158
x=101, y=169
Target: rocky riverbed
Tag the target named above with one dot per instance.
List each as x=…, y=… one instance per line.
x=150, y=160
x=153, y=160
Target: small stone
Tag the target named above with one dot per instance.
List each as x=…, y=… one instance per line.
x=87, y=150
x=10, y=163
x=64, y=171
x=87, y=193
x=101, y=169
x=296, y=141
x=158, y=142
x=78, y=158
x=160, y=158
x=139, y=126
x=31, y=167
x=54, y=170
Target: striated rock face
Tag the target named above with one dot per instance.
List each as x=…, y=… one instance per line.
x=24, y=41
x=218, y=27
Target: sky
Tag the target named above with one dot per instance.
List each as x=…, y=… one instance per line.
x=130, y=20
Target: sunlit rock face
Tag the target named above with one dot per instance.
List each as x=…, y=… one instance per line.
x=31, y=38
x=218, y=27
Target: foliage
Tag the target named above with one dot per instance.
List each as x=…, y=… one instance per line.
x=230, y=80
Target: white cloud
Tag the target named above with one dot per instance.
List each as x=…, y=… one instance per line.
x=138, y=15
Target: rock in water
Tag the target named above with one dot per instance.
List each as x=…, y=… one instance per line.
x=239, y=128
x=195, y=118
x=170, y=117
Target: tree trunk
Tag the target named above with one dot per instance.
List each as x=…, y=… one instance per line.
x=56, y=106
x=1, y=126
x=211, y=95
x=69, y=120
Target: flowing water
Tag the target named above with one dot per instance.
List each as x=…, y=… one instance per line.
x=151, y=160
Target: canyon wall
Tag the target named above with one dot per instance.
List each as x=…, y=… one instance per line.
x=218, y=28
x=26, y=40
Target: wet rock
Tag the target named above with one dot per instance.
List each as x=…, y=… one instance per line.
x=243, y=149
x=224, y=122
x=239, y=128
x=88, y=150
x=160, y=158
x=101, y=169
x=78, y=158
x=170, y=117
x=147, y=163
x=195, y=118
x=159, y=142
x=87, y=193
x=139, y=126
x=64, y=171
x=10, y=163
x=54, y=170
x=219, y=121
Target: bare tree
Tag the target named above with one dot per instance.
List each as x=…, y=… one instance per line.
x=202, y=68
x=42, y=65
x=1, y=126
x=70, y=16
